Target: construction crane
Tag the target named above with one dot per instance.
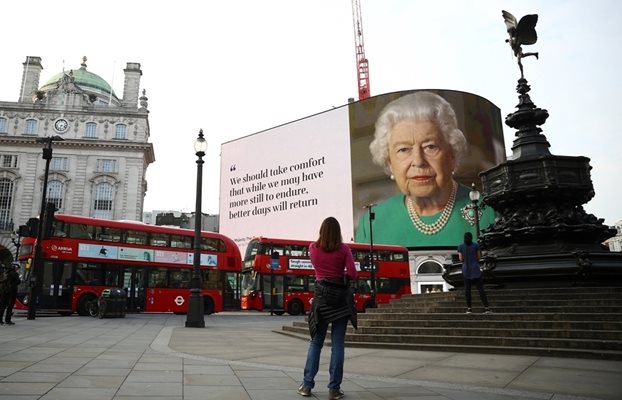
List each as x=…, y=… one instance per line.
x=362, y=65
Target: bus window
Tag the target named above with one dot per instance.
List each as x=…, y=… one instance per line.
x=157, y=278
x=79, y=231
x=251, y=250
x=277, y=249
x=360, y=255
x=384, y=286
x=211, y=279
x=88, y=274
x=136, y=237
x=158, y=239
x=180, y=278
x=59, y=229
x=262, y=249
x=111, y=275
x=362, y=286
x=400, y=256
x=212, y=244
x=295, y=283
x=297, y=251
x=182, y=242
x=107, y=234
x=312, y=284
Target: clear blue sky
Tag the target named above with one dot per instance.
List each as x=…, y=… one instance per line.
x=240, y=66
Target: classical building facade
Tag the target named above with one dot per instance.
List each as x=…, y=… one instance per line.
x=101, y=148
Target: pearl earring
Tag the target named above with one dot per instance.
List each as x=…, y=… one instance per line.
x=392, y=177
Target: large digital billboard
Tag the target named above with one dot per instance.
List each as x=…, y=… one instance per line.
x=282, y=182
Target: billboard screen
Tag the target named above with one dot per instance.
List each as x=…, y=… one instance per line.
x=283, y=182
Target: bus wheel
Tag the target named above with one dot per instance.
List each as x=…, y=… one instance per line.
x=93, y=308
x=208, y=306
x=295, y=307
x=85, y=304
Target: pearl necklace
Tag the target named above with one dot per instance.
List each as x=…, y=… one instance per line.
x=436, y=227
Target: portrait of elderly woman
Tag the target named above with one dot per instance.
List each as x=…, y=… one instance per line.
x=417, y=143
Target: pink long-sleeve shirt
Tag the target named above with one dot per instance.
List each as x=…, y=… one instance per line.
x=334, y=264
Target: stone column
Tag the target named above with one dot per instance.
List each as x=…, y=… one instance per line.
x=131, y=85
x=30, y=79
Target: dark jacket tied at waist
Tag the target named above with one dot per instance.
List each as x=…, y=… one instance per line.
x=333, y=300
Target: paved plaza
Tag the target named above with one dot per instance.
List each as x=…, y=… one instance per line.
x=239, y=356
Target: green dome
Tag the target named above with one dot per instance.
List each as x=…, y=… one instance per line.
x=82, y=78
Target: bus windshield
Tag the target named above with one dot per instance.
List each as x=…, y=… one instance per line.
x=250, y=282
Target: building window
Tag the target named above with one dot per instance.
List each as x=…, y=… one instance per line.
x=102, y=208
x=120, y=131
x=6, y=198
x=8, y=161
x=59, y=164
x=4, y=126
x=105, y=165
x=31, y=127
x=56, y=190
x=91, y=130
x=430, y=267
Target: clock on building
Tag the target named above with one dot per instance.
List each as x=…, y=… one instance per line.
x=61, y=125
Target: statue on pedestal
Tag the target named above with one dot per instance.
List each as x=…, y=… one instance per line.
x=542, y=236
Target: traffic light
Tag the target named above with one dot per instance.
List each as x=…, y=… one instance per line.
x=32, y=228
x=24, y=231
x=48, y=220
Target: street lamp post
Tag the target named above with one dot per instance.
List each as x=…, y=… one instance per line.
x=474, y=196
x=372, y=264
x=37, y=266
x=195, y=317
x=16, y=238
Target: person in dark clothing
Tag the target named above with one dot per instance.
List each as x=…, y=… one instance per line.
x=8, y=294
x=332, y=304
x=469, y=254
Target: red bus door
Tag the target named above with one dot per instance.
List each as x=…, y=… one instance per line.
x=273, y=292
x=56, y=291
x=134, y=286
x=231, y=291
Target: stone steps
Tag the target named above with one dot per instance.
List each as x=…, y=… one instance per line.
x=486, y=336
x=498, y=323
x=508, y=309
x=478, y=314
x=565, y=322
x=501, y=302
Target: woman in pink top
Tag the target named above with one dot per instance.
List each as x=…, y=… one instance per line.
x=331, y=258
x=333, y=304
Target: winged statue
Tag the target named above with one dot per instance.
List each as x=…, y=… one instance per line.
x=521, y=33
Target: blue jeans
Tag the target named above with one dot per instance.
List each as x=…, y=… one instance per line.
x=338, y=336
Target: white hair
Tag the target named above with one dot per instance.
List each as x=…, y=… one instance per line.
x=421, y=106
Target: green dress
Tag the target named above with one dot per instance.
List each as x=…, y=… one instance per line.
x=392, y=224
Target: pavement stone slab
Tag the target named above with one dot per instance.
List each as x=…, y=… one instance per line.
x=239, y=356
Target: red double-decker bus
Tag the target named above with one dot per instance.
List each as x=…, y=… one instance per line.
x=153, y=264
x=277, y=274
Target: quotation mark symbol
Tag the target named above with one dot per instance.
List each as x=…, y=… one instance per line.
x=232, y=168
